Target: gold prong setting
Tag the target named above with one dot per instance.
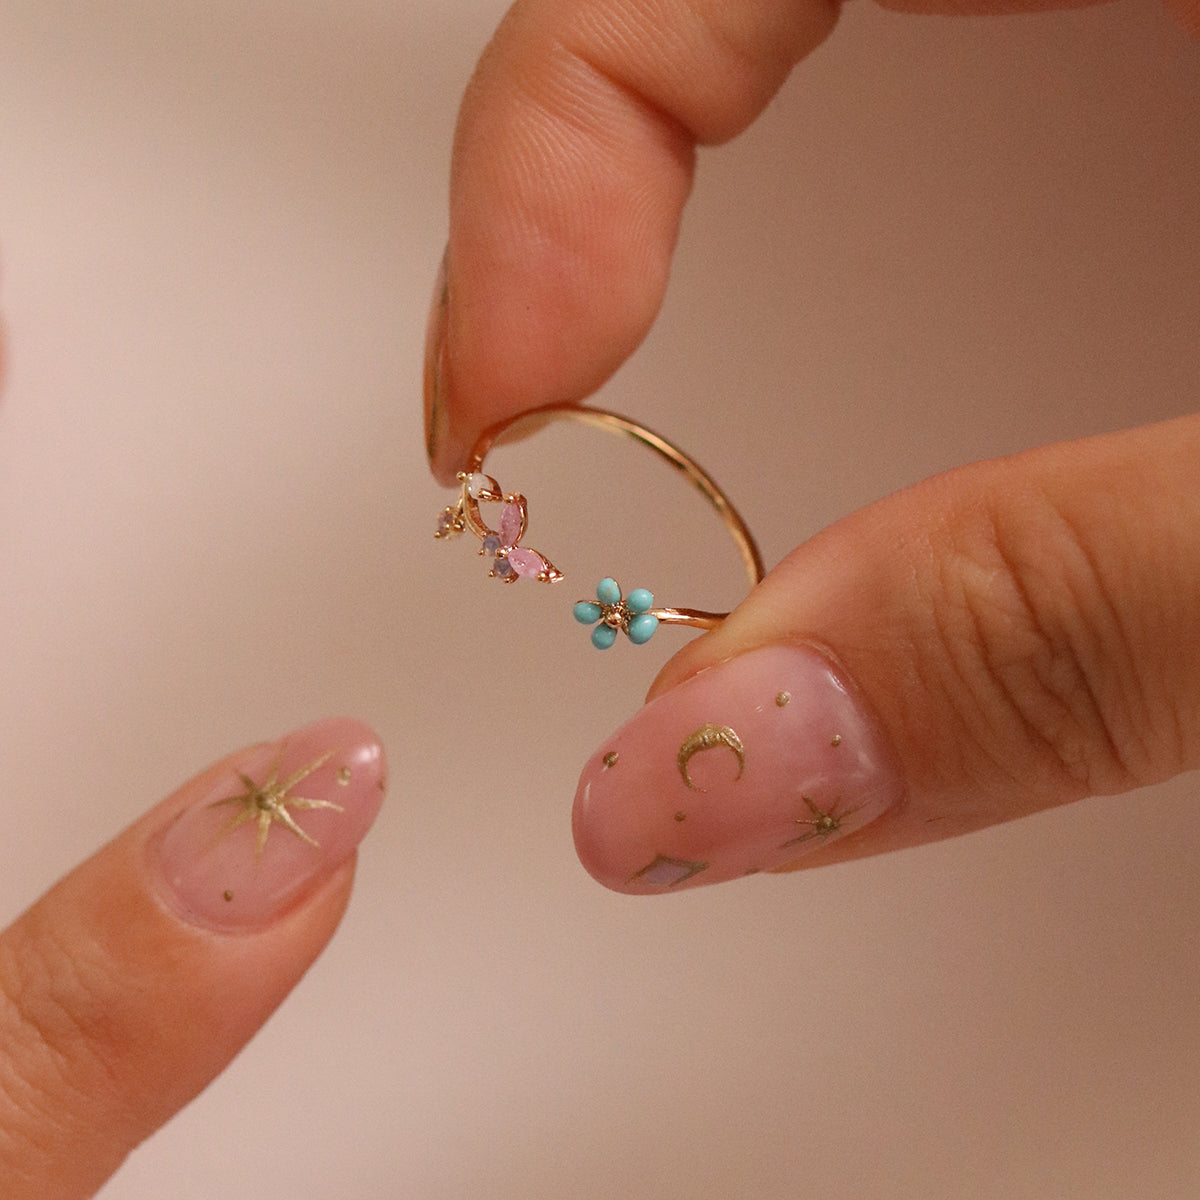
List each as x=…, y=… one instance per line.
x=510, y=560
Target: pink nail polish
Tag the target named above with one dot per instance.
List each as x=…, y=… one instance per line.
x=742, y=768
x=262, y=836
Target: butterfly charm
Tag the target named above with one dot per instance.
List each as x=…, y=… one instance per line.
x=510, y=560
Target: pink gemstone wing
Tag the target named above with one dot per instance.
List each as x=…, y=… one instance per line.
x=527, y=563
x=512, y=524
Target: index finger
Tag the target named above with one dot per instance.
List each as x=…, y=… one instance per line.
x=136, y=979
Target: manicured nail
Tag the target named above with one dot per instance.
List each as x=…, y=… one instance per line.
x=263, y=835
x=742, y=768
x=436, y=373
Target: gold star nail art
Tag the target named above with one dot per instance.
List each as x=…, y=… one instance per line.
x=266, y=803
x=822, y=824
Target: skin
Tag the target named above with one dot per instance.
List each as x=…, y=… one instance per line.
x=1038, y=612
x=114, y=1012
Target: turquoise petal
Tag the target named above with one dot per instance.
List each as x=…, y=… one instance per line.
x=639, y=600
x=642, y=628
x=587, y=612
x=603, y=636
x=608, y=592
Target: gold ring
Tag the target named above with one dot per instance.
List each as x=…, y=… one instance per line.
x=636, y=614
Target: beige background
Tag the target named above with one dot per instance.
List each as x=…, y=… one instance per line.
x=219, y=226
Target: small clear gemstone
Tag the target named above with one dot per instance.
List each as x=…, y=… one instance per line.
x=478, y=485
x=503, y=568
x=491, y=544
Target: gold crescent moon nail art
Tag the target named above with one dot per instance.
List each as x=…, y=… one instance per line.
x=709, y=737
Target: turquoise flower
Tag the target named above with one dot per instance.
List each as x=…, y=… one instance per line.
x=610, y=613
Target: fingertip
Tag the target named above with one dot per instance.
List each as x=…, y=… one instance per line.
x=741, y=768
x=135, y=980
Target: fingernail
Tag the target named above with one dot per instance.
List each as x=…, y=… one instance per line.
x=436, y=373
x=258, y=839
x=742, y=768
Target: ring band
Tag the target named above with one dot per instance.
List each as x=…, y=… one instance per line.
x=635, y=615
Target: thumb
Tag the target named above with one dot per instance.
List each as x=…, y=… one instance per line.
x=573, y=156
x=1007, y=637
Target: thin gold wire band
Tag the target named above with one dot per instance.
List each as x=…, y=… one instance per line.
x=635, y=615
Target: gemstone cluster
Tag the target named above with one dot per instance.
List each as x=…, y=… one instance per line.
x=510, y=560
x=611, y=613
